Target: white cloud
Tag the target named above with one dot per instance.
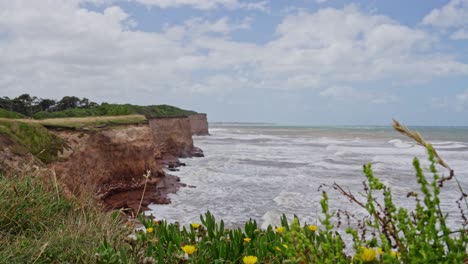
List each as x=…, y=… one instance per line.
x=346, y=45
x=460, y=34
x=338, y=92
x=198, y=26
x=349, y=94
x=453, y=14
x=451, y=17
x=206, y=4
x=57, y=47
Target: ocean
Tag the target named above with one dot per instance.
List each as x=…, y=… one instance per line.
x=261, y=172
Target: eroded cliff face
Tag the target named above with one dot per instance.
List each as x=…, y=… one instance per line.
x=106, y=157
x=199, y=124
x=173, y=136
x=111, y=162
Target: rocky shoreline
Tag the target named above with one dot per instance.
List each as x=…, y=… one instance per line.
x=134, y=198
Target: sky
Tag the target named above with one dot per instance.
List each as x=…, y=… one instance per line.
x=291, y=62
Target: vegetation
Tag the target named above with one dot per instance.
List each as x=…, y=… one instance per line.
x=39, y=225
x=9, y=114
x=93, y=122
x=117, y=110
x=72, y=106
x=31, y=138
x=29, y=105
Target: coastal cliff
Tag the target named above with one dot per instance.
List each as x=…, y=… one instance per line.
x=172, y=135
x=199, y=124
x=111, y=162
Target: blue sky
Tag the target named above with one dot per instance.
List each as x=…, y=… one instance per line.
x=295, y=62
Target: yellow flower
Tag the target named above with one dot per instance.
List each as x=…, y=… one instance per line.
x=285, y=246
x=250, y=259
x=395, y=254
x=380, y=251
x=149, y=230
x=368, y=254
x=312, y=228
x=247, y=239
x=279, y=229
x=189, y=249
x=195, y=225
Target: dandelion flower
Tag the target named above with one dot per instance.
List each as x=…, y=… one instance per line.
x=380, y=251
x=189, y=249
x=149, y=230
x=279, y=229
x=312, y=228
x=368, y=254
x=247, y=239
x=195, y=225
x=250, y=259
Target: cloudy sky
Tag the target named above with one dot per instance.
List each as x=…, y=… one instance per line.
x=309, y=62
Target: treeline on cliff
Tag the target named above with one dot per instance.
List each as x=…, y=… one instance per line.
x=26, y=105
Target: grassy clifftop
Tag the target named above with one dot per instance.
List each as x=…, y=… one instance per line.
x=9, y=114
x=117, y=110
x=31, y=138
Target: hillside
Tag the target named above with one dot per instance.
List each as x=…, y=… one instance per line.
x=10, y=114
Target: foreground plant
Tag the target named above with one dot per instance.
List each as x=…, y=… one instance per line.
x=387, y=234
x=38, y=224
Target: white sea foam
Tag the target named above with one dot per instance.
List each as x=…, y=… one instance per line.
x=261, y=173
x=398, y=143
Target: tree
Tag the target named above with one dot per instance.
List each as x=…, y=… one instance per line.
x=6, y=103
x=46, y=105
x=68, y=102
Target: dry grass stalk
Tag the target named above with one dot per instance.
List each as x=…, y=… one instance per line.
x=420, y=140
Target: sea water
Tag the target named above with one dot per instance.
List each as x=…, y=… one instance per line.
x=261, y=172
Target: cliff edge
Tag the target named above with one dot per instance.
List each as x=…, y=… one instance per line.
x=111, y=162
x=105, y=156
x=199, y=124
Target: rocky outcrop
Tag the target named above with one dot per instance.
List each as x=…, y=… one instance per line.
x=199, y=124
x=111, y=162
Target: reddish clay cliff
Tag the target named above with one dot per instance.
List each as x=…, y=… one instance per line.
x=199, y=124
x=172, y=135
x=111, y=162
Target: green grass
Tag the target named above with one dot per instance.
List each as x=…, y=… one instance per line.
x=92, y=122
x=39, y=225
x=10, y=114
x=117, y=110
x=32, y=138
